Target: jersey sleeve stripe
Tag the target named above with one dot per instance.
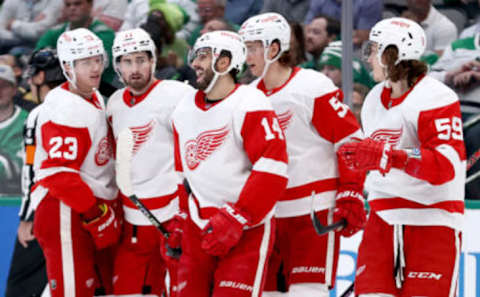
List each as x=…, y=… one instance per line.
x=271, y=166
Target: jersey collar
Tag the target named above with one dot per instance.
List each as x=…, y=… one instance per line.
x=203, y=105
x=389, y=102
x=94, y=100
x=261, y=84
x=131, y=100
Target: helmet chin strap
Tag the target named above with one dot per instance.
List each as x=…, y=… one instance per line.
x=268, y=61
x=215, y=76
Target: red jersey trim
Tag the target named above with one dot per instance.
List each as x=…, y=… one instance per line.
x=305, y=190
x=389, y=102
x=94, y=100
x=202, y=104
x=261, y=84
x=397, y=203
x=127, y=95
x=204, y=213
x=150, y=203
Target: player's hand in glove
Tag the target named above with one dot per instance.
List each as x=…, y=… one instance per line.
x=350, y=206
x=174, y=228
x=103, y=226
x=224, y=230
x=369, y=154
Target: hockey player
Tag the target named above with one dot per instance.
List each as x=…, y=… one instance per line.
x=416, y=156
x=232, y=152
x=315, y=123
x=74, y=171
x=145, y=107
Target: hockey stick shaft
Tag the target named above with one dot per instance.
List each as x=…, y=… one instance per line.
x=319, y=227
x=348, y=291
x=123, y=170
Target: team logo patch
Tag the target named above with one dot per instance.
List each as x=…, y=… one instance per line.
x=284, y=119
x=104, y=151
x=197, y=150
x=142, y=134
x=390, y=136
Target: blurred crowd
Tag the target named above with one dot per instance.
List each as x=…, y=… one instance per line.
x=28, y=26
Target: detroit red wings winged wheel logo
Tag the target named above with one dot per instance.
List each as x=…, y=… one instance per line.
x=142, y=134
x=284, y=119
x=197, y=150
x=390, y=136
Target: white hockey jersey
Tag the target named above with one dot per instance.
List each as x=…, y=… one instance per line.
x=72, y=142
x=316, y=123
x=426, y=120
x=232, y=151
x=148, y=116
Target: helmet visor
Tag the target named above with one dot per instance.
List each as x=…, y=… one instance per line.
x=369, y=48
x=202, y=53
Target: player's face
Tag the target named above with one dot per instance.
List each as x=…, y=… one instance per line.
x=202, y=64
x=136, y=70
x=378, y=71
x=316, y=36
x=7, y=91
x=255, y=57
x=88, y=73
x=333, y=73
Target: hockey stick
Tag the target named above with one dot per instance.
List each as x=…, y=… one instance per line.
x=319, y=227
x=348, y=291
x=321, y=230
x=123, y=166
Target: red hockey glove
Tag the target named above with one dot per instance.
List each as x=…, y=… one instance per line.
x=101, y=223
x=367, y=154
x=224, y=230
x=175, y=228
x=350, y=206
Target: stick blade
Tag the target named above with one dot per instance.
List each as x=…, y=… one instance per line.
x=123, y=161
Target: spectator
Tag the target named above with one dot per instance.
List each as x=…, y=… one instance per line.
x=165, y=69
x=208, y=10
x=358, y=97
x=190, y=9
x=23, y=21
x=78, y=13
x=136, y=14
x=365, y=14
x=22, y=97
x=318, y=34
x=331, y=65
x=110, y=12
x=237, y=11
x=215, y=25
x=169, y=18
x=12, y=118
x=440, y=31
x=27, y=275
x=471, y=30
x=292, y=10
x=458, y=67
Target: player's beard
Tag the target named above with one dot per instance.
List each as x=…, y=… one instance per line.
x=139, y=84
x=207, y=78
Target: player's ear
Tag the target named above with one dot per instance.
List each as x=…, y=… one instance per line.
x=273, y=49
x=222, y=63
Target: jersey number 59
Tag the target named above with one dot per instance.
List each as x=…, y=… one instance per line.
x=449, y=128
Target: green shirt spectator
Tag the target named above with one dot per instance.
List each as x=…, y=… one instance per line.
x=330, y=63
